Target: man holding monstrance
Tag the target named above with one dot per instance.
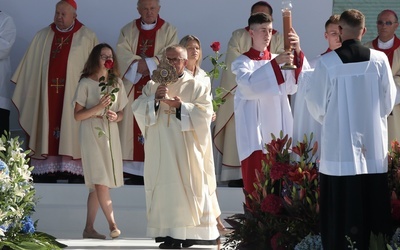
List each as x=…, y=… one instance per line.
x=173, y=114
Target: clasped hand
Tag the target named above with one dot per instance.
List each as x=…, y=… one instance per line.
x=162, y=95
x=111, y=116
x=105, y=100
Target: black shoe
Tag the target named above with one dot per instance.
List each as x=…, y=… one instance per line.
x=131, y=179
x=235, y=183
x=186, y=245
x=166, y=245
x=44, y=178
x=77, y=179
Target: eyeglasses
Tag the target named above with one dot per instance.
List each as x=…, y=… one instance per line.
x=105, y=58
x=387, y=23
x=174, y=60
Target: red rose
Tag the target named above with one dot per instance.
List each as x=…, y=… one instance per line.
x=272, y=204
x=215, y=46
x=109, y=64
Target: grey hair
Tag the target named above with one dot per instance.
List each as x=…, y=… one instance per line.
x=182, y=50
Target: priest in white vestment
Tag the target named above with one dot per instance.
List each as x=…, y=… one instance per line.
x=175, y=122
x=46, y=80
x=224, y=131
x=351, y=93
x=261, y=99
x=387, y=23
x=140, y=46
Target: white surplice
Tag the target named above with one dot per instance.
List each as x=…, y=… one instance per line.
x=261, y=105
x=348, y=147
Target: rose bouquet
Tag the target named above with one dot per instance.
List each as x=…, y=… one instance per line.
x=109, y=88
x=17, y=203
x=283, y=209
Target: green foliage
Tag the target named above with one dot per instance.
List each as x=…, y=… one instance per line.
x=18, y=200
x=219, y=99
x=214, y=74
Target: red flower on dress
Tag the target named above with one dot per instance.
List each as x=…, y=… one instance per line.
x=272, y=204
x=215, y=46
x=109, y=64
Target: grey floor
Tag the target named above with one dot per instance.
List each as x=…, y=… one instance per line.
x=61, y=212
x=120, y=243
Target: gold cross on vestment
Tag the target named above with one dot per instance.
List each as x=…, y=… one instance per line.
x=59, y=43
x=144, y=47
x=57, y=84
x=169, y=112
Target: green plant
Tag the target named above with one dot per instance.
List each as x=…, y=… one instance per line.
x=17, y=202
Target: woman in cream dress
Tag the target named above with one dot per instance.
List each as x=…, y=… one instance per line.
x=101, y=170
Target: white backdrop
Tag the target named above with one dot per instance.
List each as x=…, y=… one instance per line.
x=210, y=20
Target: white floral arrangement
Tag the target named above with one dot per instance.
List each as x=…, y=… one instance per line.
x=17, y=202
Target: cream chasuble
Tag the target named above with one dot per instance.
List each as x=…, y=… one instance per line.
x=127, y=53
x=31, y=98
x=393, y=55
x=178, y=183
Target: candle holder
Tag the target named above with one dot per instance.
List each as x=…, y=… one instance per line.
x=287, y=26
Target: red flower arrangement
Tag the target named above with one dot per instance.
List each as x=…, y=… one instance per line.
x=283, y=209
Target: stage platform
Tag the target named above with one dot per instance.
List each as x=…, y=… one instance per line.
x=61, y=212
